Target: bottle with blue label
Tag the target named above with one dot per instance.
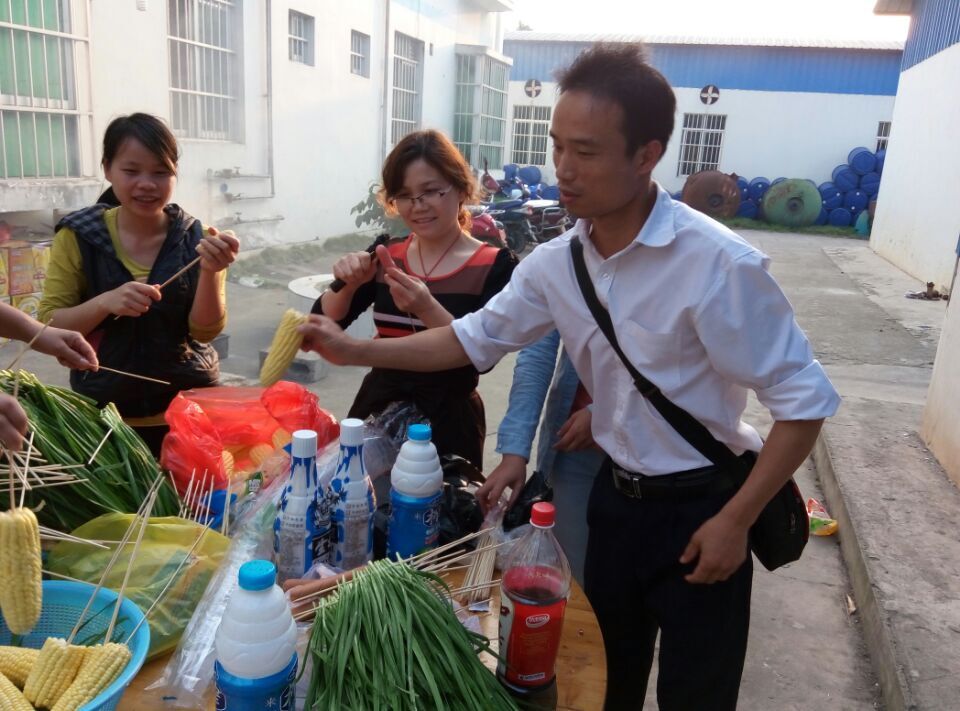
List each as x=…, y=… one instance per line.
x=256, y=645
x=301, y=532
x=416, y=485
x=353, y=500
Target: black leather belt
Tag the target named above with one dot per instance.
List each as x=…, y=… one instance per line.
x=681, y=485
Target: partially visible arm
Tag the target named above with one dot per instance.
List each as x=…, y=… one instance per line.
x=68, y=347
x=217, y=251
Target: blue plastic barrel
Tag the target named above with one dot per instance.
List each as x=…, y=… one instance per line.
x=822, y=217
x=840, y=217
x=530, y=174
x=856, y=200
x=832, y=197
x=510, y=171
x=862, y=160
x=777, y=180
x=881, y=157
x=757, y=187
x=845, y=178
x=742, y=182
x=870, y=184
x=748, y=209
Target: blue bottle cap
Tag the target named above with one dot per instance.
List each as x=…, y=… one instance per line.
x=257, y=575
x=419, y=433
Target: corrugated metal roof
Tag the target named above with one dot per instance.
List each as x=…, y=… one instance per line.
x=521, y=36
x=893, y=7
x=934, y=27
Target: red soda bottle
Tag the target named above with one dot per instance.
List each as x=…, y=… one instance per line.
x=533, y=596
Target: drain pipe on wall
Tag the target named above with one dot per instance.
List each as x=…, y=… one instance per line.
x=385, y=119
x=269, y=49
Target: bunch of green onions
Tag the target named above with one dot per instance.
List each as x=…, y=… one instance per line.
x=67, y=429
x=389, y=639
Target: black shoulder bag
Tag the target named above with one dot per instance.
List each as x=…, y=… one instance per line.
x=781, y=531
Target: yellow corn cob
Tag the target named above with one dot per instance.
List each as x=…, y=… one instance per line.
x=281, y=438
x=228, y=463
x=16, y=663
x=10, y=697
x=259, y=453
x=283, y=349
x=55, y=669
x=102, y=664
x=21, y=595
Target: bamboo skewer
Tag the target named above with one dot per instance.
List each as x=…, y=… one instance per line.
x=50, y=534
x=176, y=276
x=133, y=555
x=100, y=446
x=132, y=375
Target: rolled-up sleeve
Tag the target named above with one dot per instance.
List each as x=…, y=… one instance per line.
x=511, y=320
x=748, y=329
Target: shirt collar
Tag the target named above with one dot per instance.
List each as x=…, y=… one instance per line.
x=657, y=231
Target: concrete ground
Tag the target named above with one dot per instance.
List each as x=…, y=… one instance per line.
x=807, y=650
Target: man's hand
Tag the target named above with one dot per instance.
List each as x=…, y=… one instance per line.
x=512, y=472
x=217, y=250
x=68, y=347
x=575, y=434
x=130, y=299
x=13, y=422
x=719, y=546
x=324, y=336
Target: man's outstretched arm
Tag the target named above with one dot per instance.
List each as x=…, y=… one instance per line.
x=426, y=351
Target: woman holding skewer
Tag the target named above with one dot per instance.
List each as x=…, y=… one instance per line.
x=144, y=281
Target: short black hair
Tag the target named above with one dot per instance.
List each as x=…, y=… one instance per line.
x=620, y=73
x=149, y=130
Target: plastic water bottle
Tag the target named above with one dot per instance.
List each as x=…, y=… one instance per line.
x=353, y=510
x=256, y=645
x=416, y=483
x=299, y=537
x=533, y=597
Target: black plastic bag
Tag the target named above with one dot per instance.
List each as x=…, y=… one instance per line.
x=536, y=489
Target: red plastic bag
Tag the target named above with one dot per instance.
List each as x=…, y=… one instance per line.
x=238, y=416
x=296, y=408
x=193, y=447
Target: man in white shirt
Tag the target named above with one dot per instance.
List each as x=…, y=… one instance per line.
x=697, y=313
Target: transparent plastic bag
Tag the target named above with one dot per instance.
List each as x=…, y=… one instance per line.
x=166, y=541
x=385, y=433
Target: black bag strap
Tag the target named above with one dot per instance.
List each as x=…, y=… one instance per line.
x=686, y=425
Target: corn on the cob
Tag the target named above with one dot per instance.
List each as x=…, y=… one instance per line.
x=16, y=663
x=10, y=697
x=20, y=570
x=259, y=453
x=229, y=465
x=283, y=349
x=281, y=438
x=101, y=665
x=55, y=669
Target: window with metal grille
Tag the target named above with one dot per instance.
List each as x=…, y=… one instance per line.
x=883, y=135
x=531, y=128
x=206, y=98
x=359, y=54
x=701, y=143
x=407, y=83
x=301, y=38
x=480, y=109
x=41, y=120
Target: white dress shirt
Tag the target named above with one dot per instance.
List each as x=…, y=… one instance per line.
x=694, y=309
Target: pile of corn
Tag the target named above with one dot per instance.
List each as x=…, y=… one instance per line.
x=21, y=594
x=60, y=676
x=283, y=349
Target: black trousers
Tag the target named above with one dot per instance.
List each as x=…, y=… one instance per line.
x=635, y=584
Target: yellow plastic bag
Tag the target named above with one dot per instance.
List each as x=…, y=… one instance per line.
x=165, y=544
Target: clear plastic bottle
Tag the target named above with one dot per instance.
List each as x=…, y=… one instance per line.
x=256, y=645
x=354, y=507
x=416, y=483
x=300, y=537
x=533, y=597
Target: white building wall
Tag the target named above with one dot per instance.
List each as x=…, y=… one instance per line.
x=918, y=220
x=769, y=134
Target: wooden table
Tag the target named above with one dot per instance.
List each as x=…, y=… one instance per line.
x=581, y=663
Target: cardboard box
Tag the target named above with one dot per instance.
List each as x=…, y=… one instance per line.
x=41, y=263
x=28, y=303
x=20, y=267
x=6, y=300
x=4, y=278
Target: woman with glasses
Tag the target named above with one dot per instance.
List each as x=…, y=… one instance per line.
x=446, y=274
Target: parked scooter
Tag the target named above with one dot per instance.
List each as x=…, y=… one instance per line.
x=485, y=227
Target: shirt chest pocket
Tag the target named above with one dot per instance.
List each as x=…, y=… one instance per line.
x=655, y=355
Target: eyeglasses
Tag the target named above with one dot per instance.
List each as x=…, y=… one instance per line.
x=427, y=197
